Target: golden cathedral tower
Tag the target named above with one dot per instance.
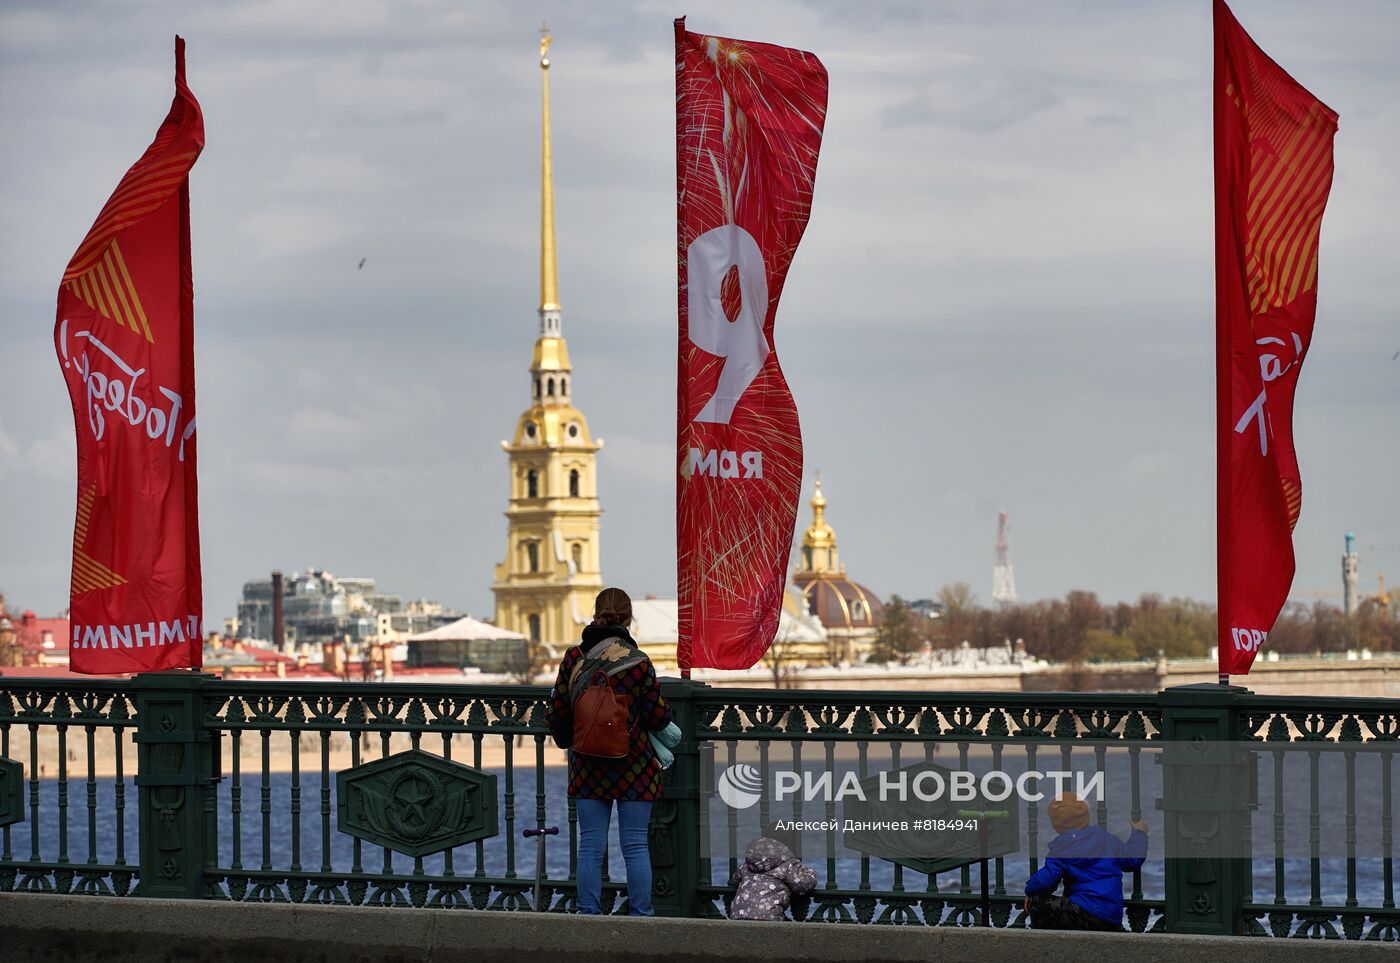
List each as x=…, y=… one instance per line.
x=850, y=612
x=819, y=543
x=546, y=585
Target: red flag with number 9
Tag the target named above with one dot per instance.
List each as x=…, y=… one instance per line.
x=749, y=121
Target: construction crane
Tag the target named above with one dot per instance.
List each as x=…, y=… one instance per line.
x=1381, y=596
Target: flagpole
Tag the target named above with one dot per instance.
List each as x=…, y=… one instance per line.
x=187, y=361
x=184, y=232
x=683, y=665
x=1222, y=353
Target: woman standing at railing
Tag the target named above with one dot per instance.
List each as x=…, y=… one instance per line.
x=605, y=704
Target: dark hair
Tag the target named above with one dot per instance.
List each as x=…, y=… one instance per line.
x=612, y=607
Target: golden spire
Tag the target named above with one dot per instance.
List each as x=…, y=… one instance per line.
x=819, y=542
x=549, y=279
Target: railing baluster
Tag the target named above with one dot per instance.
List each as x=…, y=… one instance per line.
x=326, y=801
x=1387, y=837
x=62, y=790
x=898, y=886
x=1314, y=829
x=707, y=771
x=91, y=732
x=863, y=769
x=764, y=812
x=731, y=814
x=999, y=863
x=385, y=735
x=266, y=799
x=1351, y=827
x=357, y=866
x=1032, y=814
x=830, y=748
x=1135, y=805
x=965, y=872
x=797, y=796
x=540, y=813
x=447, y=854
x=235, y=793
x=295, y=737
x=34, y=791
x=480, y=870
x=119, y=794
x=509, y=800
x=1100, y=764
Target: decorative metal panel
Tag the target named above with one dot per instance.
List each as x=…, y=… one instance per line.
x=416, y=803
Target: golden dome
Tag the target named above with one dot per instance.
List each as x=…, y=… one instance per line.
x=819, y=542
x=839, y=603
x=819, y=555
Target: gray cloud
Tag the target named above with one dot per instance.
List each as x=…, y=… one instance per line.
x=1108, y=120
x=983, y=107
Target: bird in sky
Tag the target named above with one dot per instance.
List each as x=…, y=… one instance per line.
x=362, y=263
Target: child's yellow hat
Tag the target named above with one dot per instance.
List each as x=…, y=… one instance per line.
x=1068, y=812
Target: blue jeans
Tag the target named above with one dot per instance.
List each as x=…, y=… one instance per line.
x=633, y=815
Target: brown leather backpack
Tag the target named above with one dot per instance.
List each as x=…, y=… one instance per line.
x=600, y=720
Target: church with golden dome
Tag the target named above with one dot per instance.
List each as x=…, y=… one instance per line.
x=850, y=612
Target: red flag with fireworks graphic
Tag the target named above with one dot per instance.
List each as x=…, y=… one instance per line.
x=749, y=120
x=1273, y=171
x=125, y=338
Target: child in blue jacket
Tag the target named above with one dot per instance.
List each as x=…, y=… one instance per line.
x=1091, y=862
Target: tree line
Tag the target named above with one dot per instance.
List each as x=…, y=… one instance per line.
x=1081, y=628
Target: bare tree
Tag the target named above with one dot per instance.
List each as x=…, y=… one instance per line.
x=959, y=613
x=781, y=659
x=526, y=663
x=901, y=636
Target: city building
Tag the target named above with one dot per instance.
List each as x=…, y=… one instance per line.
x=545, y=587
x=26, y=640
x=849, y=612
x=319, y=607
x=467, y=643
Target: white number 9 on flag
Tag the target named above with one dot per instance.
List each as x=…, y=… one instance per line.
x=740, y=342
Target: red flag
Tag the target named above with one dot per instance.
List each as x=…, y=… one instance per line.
x=749, y=122
x=125, y=340
x=1273, y=170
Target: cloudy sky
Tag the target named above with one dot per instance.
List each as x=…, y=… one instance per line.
x=1004, y=299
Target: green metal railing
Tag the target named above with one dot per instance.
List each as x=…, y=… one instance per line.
x=927, y=725
x=415, y=795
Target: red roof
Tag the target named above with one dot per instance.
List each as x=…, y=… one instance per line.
x=30, y=630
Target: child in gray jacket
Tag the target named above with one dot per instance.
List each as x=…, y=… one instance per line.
x=769, y=879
